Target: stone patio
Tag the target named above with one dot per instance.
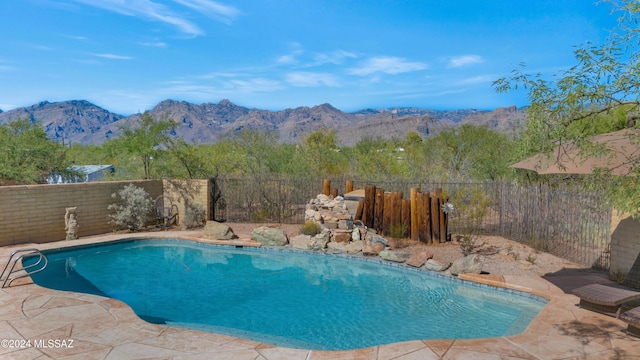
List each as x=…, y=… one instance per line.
x=93, y=327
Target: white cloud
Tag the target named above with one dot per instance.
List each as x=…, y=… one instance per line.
x=41, y=47
x=77, y=37
x=215, y=75
x=113, y=56
x=310, y=79
x=253, y=85
x=213, y=9
x=150, y=10
x=388, y=65
x=286, y=59
x=460, y=61
x=292, y=56
x=337, y=57
x=158, y=44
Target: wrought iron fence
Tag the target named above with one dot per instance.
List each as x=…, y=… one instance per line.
x=564, y=222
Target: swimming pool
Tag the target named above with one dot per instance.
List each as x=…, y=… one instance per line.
x=287, y=298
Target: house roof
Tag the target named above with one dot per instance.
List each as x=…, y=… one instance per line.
x=90, y=169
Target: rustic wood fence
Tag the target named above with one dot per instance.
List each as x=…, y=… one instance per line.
x=564, y=222
x=420, y=217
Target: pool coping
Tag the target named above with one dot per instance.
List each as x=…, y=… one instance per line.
x=560, y=330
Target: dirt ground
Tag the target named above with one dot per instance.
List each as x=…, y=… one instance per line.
x=501, y=256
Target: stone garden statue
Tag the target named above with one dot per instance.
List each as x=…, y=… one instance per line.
x=71, y=223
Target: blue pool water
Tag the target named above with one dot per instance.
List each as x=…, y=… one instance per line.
x=287, y=298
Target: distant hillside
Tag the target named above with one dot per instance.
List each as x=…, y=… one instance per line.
x=79, y=121
x=505, y=120
x=75, y=120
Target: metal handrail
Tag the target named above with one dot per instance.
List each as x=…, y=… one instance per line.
x=38, y=266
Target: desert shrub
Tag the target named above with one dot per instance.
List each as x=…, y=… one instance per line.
x=471, y=207
x=531, y=259
x=537, y=244
x=260, y=214
x=194, y=216
x=398, y=231
x=310, y=227
x=467, y=244
x=133, y=209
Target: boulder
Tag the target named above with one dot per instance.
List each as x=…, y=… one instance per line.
x=337, y=248
x=300, y=241
x=269, y=236
x=395, y=256
x=355, y=234
x=370, y=249
x=342, y=236
x=418, y=258
x=434, y=265
x=319, y=241
x=471, y=264
x=214, y=230
x=309, y=214
x=354, y=247
x=375, y=238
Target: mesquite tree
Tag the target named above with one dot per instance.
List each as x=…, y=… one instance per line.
x=601, y=93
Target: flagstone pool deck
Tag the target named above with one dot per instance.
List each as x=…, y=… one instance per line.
x=102, y=328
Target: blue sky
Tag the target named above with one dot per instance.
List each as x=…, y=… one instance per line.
x=128, y=55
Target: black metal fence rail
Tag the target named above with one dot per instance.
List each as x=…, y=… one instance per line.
x=564, y=222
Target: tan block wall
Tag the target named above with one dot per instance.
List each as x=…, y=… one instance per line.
x=35, y=213
x=185, y=192
x=625, y=242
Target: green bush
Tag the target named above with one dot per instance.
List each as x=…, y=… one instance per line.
x=310, y=227
x=398, y=231
x=133, y=210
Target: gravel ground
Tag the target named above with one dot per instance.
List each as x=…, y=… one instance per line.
x=501, y=256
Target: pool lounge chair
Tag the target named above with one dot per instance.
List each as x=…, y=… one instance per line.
x=632, y=318
x=605, y=299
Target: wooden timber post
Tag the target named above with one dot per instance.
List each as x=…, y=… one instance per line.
x=406, y=217
x=378, y=212
x=386, y=216
x=334, y=193
x=414, y=214
x=369, y=205
x=396, y=210
x=424, y=218
x=326, y=187
x=443, y=219
x=435, y=218
x=436, y=211
x=348, y=187
x=360, y=210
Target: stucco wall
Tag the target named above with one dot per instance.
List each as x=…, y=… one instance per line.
x=35, y=213
x=625, y=242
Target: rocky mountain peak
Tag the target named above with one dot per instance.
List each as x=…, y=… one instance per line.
x=226, y=102
x=79, y=121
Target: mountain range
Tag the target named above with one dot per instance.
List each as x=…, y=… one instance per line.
x=81, y=122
